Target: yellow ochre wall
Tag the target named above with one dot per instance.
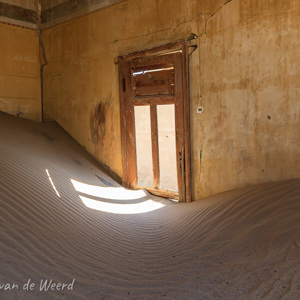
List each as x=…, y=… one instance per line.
x=245, y=74
x=20, y=90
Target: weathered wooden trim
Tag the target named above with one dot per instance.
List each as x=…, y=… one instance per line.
x=179, y=116
x=156, y=99
x=187, y=131
x=155, y=153
x=122, y=92
x=130, y=139
x=160, y=192
x=131, y=148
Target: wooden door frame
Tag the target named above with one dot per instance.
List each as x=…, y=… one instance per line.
x=129, y=176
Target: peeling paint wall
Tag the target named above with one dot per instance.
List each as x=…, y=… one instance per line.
x=245, y=74
x=19, y=72
x=249, y=76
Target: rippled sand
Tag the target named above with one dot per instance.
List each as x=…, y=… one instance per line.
x=63, y=219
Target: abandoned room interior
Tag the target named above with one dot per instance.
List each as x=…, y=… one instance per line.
x=150, y=149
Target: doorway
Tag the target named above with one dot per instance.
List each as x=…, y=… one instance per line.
x=155, y=121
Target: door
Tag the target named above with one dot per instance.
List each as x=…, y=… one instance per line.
x=154, y=122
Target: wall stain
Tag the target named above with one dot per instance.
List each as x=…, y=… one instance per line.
x=219, y=120
x=98, y=118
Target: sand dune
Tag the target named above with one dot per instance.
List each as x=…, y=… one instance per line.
x=60, y=221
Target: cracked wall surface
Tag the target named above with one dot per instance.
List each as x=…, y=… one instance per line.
x=245, y=74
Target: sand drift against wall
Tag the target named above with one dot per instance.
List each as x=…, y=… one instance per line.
x=243, y=244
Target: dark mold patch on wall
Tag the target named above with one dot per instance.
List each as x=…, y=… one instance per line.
x=98, y=118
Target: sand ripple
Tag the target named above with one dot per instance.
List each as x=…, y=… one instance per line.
x=243, y=244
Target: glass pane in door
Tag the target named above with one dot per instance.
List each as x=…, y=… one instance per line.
x=143, y=145
x=167, y=146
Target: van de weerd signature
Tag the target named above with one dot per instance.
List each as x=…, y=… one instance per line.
x=44, y=285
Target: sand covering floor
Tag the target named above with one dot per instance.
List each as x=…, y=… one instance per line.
x=60, y=221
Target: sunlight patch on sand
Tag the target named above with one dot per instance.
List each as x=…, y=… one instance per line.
x=51, y=181
x=123, y=197
x=126, y=209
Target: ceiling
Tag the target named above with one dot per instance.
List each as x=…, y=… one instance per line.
x=24, y=12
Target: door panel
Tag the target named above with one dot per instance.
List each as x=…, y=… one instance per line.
x=152, y=118
x=166, y=70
